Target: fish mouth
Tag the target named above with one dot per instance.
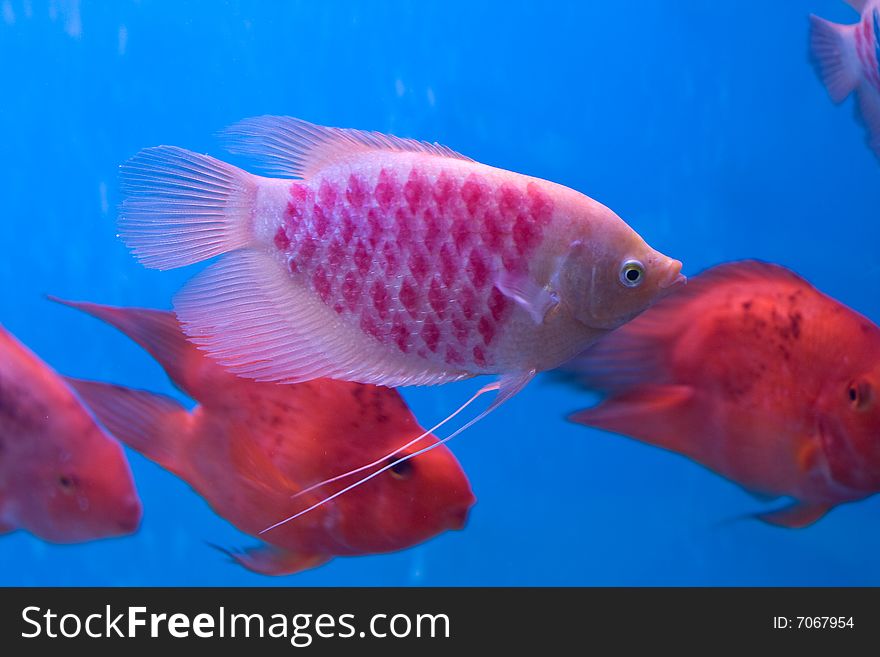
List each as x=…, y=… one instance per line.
x=673, y=277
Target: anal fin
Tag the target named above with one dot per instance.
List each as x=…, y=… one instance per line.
x=795, y=516
x=271, y=560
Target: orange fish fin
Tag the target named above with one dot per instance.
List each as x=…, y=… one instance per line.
x=270, y=560
x=795, y=516
x=247, y=313
x=154, y=425
x=636, y=353
x=157, y=331
x=652, y=413
x=288, y=147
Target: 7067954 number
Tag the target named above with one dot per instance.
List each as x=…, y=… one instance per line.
x=820, y=622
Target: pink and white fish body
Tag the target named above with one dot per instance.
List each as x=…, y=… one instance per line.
x=390, y=261
x=847, y=58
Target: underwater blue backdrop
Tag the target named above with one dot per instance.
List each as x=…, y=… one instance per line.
x=701, y=123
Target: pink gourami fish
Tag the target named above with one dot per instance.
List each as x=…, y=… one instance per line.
x=250, y=449
x=757, y=375
x=847, y=58
x=61, y=477
x=391, y=261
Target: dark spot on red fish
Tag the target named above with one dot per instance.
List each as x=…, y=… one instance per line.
x=371, y=327
x=494, y=234
x=468, y=303
x=434, y=233
x=307, y=250
x=347, y=226
x=479, y=356
x=336, y=253
x=460, y=330
x=747, y=306
x=404, y=223
x=795, y=318
x=461, y=235
x=392, y=259
x=374, y=223
x=453, y=356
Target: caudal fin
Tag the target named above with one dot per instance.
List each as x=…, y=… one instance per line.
x=832, y=47
x=151, y=424
x=181, y=207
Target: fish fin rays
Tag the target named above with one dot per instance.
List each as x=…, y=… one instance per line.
x=289, y=147
x=181, y=207
x=534, y=299
x=832, y=48
x=267, y=559
x=245, y=311
x=152, y=424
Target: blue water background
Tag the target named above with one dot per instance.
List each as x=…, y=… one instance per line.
x=701, y=123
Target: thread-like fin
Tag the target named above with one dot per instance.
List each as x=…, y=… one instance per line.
x=288, y=147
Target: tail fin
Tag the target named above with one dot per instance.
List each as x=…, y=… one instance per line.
x=182, y=207
x=832, y=47
x=159, y=332
x=151, y=424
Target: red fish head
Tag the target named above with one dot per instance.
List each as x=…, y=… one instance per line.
x=84, y=493
x=410, y=502
x=607, y=284
x=850, y=420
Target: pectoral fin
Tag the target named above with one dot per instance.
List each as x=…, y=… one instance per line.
x=795, y=516
x=270, y=560
x=534, y=299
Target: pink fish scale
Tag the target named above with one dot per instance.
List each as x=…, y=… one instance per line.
x=412, y=259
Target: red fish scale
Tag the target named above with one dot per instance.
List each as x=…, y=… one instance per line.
x=412, y=261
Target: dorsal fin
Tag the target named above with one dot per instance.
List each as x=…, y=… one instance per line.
x=289, y=147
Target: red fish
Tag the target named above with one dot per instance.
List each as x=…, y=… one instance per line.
x=847, y=58
x=249, y=447
x=752, y=372
x=392, y=261
x=61, y=477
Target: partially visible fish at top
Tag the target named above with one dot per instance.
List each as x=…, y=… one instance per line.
x=61, y=477
x=252, y=448
x=847, y=58
x=392, y=261
x=755, y=374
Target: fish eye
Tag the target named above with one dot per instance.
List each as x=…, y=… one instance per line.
x=67, y=483
x=632, y=273
x=400, y=469
x=859, y=394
